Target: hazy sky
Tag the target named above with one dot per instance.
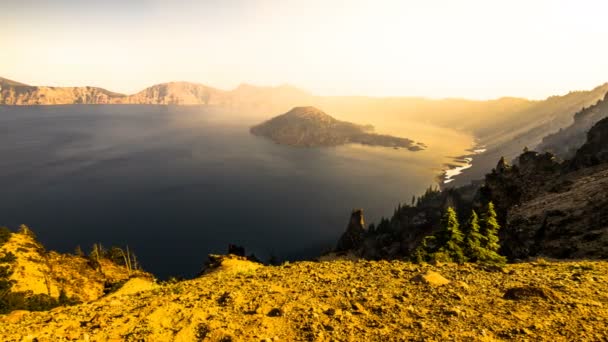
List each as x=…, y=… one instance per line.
x=464, y=48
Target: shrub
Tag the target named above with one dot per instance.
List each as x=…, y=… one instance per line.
x=5, y=234
x=8, y=258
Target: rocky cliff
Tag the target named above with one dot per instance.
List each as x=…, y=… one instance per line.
x=15, y=93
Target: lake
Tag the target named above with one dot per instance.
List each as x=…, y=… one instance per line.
x=178, y=183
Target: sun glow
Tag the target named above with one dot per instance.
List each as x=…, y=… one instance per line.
x=470, y=48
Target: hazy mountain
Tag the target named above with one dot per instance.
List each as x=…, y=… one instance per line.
x=252, y=98
x=309, y=126
x=15, y=93
x=177, y=93
x=526, y=128
x=7, y=82
x=567, y=141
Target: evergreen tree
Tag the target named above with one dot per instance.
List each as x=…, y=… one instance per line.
x=425, y=249
x=490, y=241
x=473, y=238
x=450, y=239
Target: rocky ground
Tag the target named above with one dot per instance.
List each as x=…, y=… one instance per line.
x=47, y=272
x=341, y=300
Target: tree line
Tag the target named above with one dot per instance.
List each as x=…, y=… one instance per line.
x=477, y=241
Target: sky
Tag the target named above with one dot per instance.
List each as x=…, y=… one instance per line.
x=477, y=49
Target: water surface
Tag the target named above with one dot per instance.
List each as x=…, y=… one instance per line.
x=178, y=183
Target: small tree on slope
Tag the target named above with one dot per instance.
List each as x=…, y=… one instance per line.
x=473, y=238
x=489, y=242
x=450, y=239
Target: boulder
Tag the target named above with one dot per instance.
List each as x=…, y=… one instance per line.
x=431, y=278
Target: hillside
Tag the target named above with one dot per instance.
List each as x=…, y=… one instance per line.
x=344, y=300
x=566, y=141
x=311, y=127
x=506, y=135
x=546, y=207
x=176, y=93
x=15, y=93
x=34, y=271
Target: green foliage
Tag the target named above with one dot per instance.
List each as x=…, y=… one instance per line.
x=5, y=282
x=423, y=252
x=10, y=301
x=5, y=234
x=116, y=255
x=478, y=243
x=431, y=195
x=8, y=258
x=451, y=238
x=473, y=238
x=490, y=241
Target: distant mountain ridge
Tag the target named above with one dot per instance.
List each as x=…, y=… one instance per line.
x=171, y=93
x=311, y=127
x=565, y=142
x=527, y=127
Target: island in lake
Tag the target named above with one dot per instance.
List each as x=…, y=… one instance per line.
x=311, y=127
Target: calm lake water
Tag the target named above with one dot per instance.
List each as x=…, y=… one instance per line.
x=178, y=183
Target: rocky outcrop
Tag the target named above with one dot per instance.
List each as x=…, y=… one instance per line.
x=37, y=271
x=355, y=231
x=595, y=150
x=568, y=219
x=311, y=127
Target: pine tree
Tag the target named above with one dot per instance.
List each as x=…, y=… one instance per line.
x=450, y=239
x=473, y=238
x=424, y=250
x=490, y=241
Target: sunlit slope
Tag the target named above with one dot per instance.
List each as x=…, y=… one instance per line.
x=344, y=301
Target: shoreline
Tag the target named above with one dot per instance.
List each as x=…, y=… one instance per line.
x=460, y=164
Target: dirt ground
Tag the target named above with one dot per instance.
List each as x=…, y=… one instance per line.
x=343, y=300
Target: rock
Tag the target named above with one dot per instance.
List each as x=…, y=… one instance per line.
x=430, y=278
x=358, y=308
x=528, y=292
x=15, y=316
x=275, y=312
x=352, y=239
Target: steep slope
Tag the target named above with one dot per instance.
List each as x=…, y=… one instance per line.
x=344, y=301
x=37, y=271
x=568, y=140
x=526, y=128
x=311, y=127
